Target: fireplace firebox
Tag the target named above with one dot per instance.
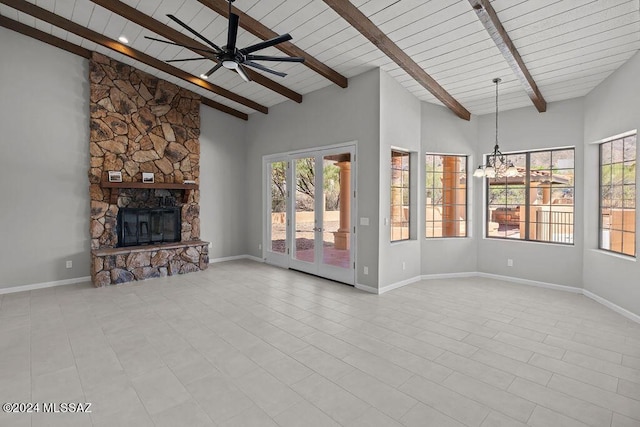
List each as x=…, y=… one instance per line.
x=147, y=226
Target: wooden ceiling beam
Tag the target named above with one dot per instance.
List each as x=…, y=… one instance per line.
x=72, y=27
x=224, y=108
x=261, y=31
x=489, y=18
x=85, y=53
x=21, y=28
x=134, y=15
x=360, y=22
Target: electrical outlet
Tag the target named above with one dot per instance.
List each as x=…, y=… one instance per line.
x=365, y=270
x=404, y=265
x=210, y=244
x=509, y=262
x=69, y=264
x=259, y=246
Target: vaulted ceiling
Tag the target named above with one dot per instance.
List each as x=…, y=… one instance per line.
x=443, y=51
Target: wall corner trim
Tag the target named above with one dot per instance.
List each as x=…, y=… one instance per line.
x=367, y=288
x=235, y=258
x=35, y=286
x=615, y=307
x=399, y=284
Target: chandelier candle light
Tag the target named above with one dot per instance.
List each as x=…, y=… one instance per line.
x=496, y=165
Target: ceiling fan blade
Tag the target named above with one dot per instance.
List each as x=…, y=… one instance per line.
x=263, y=68
x=186, y=59
x=214, y=69
x=275, y=58
x=265, y=44
x=243, y=73
x=181, y=45
x=232, y=34
x=194, y=32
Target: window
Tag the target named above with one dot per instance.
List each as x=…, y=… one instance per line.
x=618, y=195
x=400, y=165
x=446, y=196
x=537, y=204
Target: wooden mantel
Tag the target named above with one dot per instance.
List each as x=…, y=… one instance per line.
x=116, y=186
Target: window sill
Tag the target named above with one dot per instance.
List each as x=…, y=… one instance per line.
x=399, y=242
x=554, y=244
x=615, y=255
x=431, y=239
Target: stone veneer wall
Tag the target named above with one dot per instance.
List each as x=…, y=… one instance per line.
x=139, y=123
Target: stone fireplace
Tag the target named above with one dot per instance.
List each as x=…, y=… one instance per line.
x=142, y=124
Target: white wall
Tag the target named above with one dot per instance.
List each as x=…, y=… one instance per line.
x=525, y=129
x=445, y=133
x=328, y=116
x=44, y=117
x=222, y=183
x=399, y=128
x=610, y=109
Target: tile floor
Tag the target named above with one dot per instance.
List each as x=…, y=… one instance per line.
x=245, y=344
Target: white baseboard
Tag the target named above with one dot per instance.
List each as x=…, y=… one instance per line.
x=366, y=288
x=387, y=288
x=615, y=307
x=448, y=275
x=34, y=286
x=399, y=284
x=235, y=258
x=528, y=282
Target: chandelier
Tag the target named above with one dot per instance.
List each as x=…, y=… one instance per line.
x=496, y=165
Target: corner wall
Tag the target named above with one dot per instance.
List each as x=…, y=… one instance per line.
x=526, y=129
x=223, y=202
x=399, y=128
x=445, y=133
x=610, y=109
x=44, y=117
x=328, y=116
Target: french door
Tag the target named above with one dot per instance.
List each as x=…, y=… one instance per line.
x=309, y=215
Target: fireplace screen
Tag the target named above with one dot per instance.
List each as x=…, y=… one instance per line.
x=143, y=226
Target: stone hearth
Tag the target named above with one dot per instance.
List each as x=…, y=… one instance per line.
x=112, y=266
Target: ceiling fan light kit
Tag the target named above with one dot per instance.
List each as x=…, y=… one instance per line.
x=229, y=56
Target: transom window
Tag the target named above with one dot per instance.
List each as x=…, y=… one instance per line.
x=618, y=195
x=446, y=195
x=400, y=206
x=537, y=204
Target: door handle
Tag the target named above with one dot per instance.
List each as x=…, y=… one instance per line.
x=317, y=229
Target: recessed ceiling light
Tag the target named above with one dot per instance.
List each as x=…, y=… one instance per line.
x=204, y=76
x=123, y=39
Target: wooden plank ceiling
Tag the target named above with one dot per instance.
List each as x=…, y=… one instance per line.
x=568, y=46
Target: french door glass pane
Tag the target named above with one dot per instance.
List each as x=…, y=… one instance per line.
x=336, y=214
x=305, y=223
x=278, y=217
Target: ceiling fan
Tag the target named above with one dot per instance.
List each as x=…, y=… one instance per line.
x=230, y=56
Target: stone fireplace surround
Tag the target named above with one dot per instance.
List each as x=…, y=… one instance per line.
x=138, y=124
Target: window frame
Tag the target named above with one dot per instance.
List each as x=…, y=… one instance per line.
x=405, y=186
x=466, y=196
x=527, y=202
x=601, y=229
